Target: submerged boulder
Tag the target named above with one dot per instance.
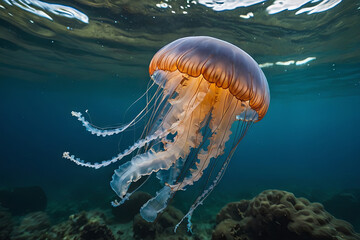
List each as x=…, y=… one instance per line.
x=345, y=205
x=279, y=215
x=23, y=200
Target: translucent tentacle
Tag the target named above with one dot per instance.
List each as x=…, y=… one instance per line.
x=201, y=198
x=199, y=201
x=108, y=132
x=103, y=132
x=139, y=144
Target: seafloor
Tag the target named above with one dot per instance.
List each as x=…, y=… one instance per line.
x=26, y=213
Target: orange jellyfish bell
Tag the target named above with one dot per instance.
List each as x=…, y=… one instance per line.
x=209, y=93
x=218, y=62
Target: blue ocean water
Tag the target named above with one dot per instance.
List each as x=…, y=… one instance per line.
x=308, y=143
x=305, y=140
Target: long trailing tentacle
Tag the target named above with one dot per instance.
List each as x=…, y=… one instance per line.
x=98, y=131
x=139, y=144
x=108, y=132
x=102, y=132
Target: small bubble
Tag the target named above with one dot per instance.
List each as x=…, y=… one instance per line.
x=162, y=5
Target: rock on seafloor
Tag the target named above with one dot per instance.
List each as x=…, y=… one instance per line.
x=23, y=200
x=279, y=215
x=345, y=205
x=271, y=215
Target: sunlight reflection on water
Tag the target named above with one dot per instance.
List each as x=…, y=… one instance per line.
x=276, y=7
x=34, y=6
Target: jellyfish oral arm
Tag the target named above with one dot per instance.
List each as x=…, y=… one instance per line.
x=151, y=208
x=221, y=121
x=183, y=119
x=139, y=166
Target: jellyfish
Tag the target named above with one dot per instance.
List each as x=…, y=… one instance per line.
x=207, y=94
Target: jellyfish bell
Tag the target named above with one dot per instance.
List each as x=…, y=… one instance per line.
x=205, y=86
x=218, y=62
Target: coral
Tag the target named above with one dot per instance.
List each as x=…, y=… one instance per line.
x=23, y=200
x=162, y=228
x=82, y=226
x=31, y=227
x=127, y=211
x=275, y=214
x=96, y=231
x=6, y=224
